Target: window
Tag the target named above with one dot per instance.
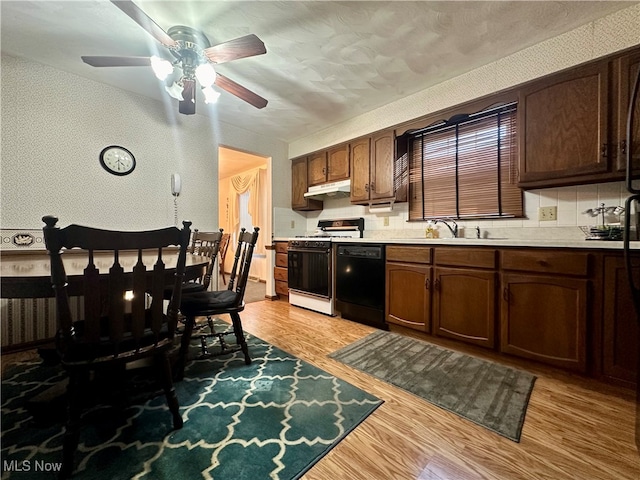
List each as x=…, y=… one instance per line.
x=466, y=167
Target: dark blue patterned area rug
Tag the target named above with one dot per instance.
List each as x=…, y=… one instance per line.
x=273, y=419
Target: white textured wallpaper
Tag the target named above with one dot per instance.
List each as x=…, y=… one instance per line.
x=54, y=126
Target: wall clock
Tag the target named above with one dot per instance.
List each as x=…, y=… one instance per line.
x=117, y=160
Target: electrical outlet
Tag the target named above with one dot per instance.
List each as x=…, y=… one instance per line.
x=293, y=224
x=385, y=222
x=547, y=213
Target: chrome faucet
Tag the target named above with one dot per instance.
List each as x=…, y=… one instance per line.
x=453, y=230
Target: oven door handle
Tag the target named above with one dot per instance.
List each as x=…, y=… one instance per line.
x=309, y=250
x=309, y=294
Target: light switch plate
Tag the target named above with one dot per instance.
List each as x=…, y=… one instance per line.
x=547, y=213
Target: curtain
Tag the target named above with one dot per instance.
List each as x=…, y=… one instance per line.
x=253, y=182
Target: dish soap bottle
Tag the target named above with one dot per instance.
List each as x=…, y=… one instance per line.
x=431, y=232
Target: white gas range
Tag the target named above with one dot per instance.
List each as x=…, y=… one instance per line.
x=311, y=265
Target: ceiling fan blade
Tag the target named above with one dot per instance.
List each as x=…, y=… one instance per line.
x=188, y=105
x=142, y=19
x=240, y=91
x=117, y=61
x=242, y=47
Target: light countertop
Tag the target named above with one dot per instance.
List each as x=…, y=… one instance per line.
x=486, y=242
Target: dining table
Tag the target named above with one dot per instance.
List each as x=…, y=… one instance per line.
x=28, y=274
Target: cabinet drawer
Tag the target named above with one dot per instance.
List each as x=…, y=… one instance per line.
x=544, y=261
x=281, y=260
x=280, y=273
x=397, y=253
x=282, y=288
x=281, y=247
x=466, y=257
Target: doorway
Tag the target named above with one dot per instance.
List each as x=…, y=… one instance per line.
x=241, y=176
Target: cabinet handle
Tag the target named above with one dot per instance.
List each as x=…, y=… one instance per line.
x=373, y=187
x=623, y=147
x=436, y=284
x=324, y=171
x=604, y=149
x=505, y=294
x=366, y=187
x=427, y=283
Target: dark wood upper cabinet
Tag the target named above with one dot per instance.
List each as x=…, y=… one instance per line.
x=572, y=125
x=563, y=127
x=299, y=186
x=329, y=166
x=338, y=163
x=360, y=152
x=626, y=68
x=372, y=168
x=381, y=175
x=317, y=168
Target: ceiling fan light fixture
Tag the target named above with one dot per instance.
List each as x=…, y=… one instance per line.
x=210, y=95
x=161, y=67
x=175, y=90
x=205, y=74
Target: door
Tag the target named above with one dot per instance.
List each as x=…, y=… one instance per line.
x=233, y=203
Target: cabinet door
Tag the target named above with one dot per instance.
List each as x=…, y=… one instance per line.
x=621, y=334
x=544, y=318
x=299, y=187
x=382, y=149
x=298, y=183
x=360, y=170
x=627, y=70
x=563, y=122
x=464, y=305
x=317, y=165
x=408, y=300
x=338, y=163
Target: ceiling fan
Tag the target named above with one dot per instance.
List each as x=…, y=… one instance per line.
x=194, y=57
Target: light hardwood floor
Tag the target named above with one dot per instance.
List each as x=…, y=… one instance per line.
x=575, y=428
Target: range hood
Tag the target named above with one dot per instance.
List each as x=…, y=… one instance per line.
x=330, y=190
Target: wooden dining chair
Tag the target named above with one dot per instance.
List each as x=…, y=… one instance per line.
x=111, y=335
x=229, y=301
x=224, y=245
x=204, y=244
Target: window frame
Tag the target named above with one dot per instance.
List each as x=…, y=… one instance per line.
x=449, y=130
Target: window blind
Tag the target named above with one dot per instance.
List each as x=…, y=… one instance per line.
x=466, y=167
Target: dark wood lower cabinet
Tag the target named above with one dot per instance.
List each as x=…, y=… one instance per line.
x=280, y=271
x=621, y=333
x=569, y=308
x=464, y=305
x=544, y=318
x=408, y=300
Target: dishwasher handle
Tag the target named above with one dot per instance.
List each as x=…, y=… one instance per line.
x=373, y=252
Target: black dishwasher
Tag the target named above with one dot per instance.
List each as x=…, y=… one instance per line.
x=360, y=283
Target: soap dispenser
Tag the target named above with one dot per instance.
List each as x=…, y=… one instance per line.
x=430, y=232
